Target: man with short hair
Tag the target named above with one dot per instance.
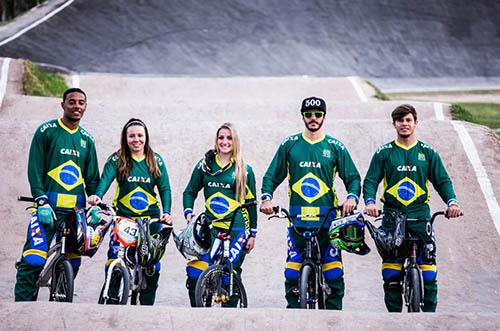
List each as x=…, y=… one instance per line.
x=62, y=159
x=406, y=165
x=311, y=160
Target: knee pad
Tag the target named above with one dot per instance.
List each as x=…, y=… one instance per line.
x=429, y=272
x=36, y=253
x=392, y=272
x=293, y=261
x=331, y=264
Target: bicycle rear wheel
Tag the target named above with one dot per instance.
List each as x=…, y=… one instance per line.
x=212, y=289
x=62, y=282
x=118, y=287
x=307, y=287
x=414, y=288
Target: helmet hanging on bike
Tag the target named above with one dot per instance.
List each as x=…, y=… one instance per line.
x=89, y=231
x=194, y=241
x=390, y=242
x=348, y=234
x=157, y=245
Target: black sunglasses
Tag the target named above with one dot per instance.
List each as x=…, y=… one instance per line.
x=317, y=114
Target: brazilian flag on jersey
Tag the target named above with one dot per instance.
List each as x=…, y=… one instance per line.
x=220, y=195
x=62, y=164
x=406, y=172
x=135, y=194
x=311, y=168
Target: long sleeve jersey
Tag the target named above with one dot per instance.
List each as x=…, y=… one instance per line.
x=311, y=167
x=406, y=172
x=135, y=195
x=62, y=165
x=219, y=191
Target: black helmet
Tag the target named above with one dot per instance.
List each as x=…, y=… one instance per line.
x=390, y=243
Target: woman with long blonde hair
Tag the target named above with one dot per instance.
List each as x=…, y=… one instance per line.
x=227, y=181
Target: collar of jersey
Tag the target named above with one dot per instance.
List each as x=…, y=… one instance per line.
x=311, y=141
x=61, y=123
x=405, y=147
x=138, y=159
x=219, y=163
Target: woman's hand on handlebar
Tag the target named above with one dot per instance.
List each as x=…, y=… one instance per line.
x=166, y=218
x=93, y=200
x=266, y=207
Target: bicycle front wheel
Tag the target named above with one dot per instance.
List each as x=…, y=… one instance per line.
x=212, y=289
x=414, y=288
x=118, y=287
x=62, y=282
x=307, y=288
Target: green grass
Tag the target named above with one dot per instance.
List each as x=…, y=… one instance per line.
x=40, y=83
x=487, y=114
x=379, y=94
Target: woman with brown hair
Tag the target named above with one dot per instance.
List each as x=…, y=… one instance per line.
x=138, y=170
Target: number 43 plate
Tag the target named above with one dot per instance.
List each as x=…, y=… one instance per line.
x=127, y=231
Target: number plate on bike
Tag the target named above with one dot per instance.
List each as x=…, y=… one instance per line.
x=126, y=231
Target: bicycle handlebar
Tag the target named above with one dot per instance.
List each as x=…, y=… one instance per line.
x=290, y=218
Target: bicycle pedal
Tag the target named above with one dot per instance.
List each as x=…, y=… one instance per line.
x=221, y=299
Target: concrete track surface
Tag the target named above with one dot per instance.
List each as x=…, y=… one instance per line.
x=182, y=115
x=398, y=45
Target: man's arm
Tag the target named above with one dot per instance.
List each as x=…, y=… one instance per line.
x=274, y=176
x=91, y=174
x=441, y=181
x=373, y=177
x=36, y=165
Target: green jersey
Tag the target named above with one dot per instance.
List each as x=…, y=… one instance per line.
x=219, y=189
x=311, y=167
x=62, y=165
x=135, y=195
x=406, y=172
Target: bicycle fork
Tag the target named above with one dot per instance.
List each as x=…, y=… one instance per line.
x=221, y=296
x=413, y=265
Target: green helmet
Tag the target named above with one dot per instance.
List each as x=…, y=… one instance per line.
x=348, y=234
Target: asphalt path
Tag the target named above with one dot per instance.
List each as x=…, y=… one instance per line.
x=398, y=45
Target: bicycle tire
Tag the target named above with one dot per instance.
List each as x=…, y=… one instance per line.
x=414, y=287
x=307, y=288
x=62, y=282
x=208, y=283
x=120, y=278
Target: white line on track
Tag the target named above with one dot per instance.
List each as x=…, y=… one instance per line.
x=34, y=24
x=438, y=110
x=482, y=176
x=358, y=89
x=4, y=78
x=75, y=80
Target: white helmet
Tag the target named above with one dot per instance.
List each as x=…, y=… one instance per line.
x=194, y=241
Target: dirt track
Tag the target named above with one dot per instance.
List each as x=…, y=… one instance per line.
x=182, y=114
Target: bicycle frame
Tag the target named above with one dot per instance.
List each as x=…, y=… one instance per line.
x=312, y=253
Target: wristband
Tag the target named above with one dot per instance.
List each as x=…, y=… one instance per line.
x=369, y=201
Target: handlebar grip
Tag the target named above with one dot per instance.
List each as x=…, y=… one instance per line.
x=25, y=199
x=249, y=204
x=103, y=206
x=276, y=209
